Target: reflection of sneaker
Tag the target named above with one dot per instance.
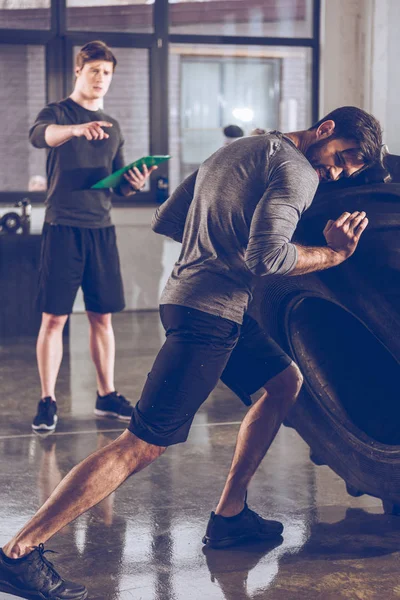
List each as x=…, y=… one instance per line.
x=246, y=526
x=113, y=405
x=34, y=577
x=46, y=442
x=46, y=417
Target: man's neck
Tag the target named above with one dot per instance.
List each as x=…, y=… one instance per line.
x=88, y=103
x=301, y=139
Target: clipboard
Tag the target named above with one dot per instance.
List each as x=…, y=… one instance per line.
x=113, y=180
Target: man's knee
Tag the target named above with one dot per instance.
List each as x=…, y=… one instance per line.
x=287, y=383
x=136, y=453
x=99, y=319
x=53, y=322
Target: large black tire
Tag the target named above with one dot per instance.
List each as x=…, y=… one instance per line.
x=342, y=327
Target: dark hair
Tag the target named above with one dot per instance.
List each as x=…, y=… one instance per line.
x=352, y=123
x=96, y=50
x=233, y=131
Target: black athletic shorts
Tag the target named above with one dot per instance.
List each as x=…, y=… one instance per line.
x=72, y=257
x=200, y=349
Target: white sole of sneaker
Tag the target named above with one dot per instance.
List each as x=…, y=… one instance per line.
x=111, y=415
x=44, y=427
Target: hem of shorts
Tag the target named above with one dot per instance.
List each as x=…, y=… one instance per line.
x=153, y=439
x=274, y=375
x=61, y=313
x=57, y=313
x=80, y=224
x=105, y=312
x=206, y=309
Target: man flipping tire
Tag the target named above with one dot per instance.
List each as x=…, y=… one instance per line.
x=235, y=218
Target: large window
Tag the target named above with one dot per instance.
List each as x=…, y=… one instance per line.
x=25, y=14
x=253, y=87
x=110, y=15
x=186, y=69
x=261, y=18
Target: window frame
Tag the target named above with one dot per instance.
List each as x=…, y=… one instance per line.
x=59, y=43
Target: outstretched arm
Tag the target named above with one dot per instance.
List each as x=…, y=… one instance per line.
x=47, y=133
x=169, y=219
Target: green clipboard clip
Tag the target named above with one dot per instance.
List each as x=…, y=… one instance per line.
x=113, y=180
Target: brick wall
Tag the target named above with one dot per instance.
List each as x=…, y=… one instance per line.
x=36, y=85
x=296, y=92
x=22, y=95
x=128, y=100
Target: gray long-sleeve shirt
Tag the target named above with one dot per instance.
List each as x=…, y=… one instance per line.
x=235, y=218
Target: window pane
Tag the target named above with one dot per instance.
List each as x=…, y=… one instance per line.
x=128, y=99
x=135, y=16
x=24, y=14
x=389, y=80
x=248, y=86
x=274, y=18
x=22, y=96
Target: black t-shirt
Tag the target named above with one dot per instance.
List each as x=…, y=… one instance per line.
x=75, y=166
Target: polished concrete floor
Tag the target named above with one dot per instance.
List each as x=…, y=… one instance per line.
x=144, y=541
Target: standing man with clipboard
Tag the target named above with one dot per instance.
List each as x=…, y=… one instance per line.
x=79, y=243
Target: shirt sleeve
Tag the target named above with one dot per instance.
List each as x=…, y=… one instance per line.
x=289, y=192
x=170, y=218
x=46, y=117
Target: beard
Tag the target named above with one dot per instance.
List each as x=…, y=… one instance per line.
x=313, y=155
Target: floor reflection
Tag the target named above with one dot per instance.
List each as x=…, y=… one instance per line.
x=144, y=541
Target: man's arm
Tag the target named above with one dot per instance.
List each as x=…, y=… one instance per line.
x=47, y=133
x=270, y=250
x=134, y=179
x=57, y=135
x=288, y=193
x=169, y=219
x=342, y=238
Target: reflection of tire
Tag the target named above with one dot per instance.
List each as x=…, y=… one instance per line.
x=342, y=327
x=11, y=222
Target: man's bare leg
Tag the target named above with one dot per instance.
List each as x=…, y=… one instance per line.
x=256, y=434
x=102, y=349
x=84, y=486
x=49, y=351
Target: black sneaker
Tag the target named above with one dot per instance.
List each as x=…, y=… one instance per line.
x=34, y=577
x=113, y=405
x=246, y=526
x=46, y=417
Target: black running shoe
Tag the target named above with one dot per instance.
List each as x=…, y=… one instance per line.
x=245, y=527
x=34, y=577
x=46, y=417
x=113, y=405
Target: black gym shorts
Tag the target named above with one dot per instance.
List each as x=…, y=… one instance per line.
x=72, y=257
x=200, y=349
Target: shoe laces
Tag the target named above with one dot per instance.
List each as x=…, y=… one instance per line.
x=46, y=565
x=122, y=399
x=44, y=405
